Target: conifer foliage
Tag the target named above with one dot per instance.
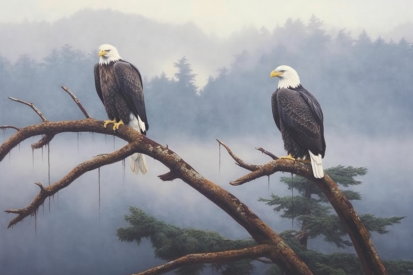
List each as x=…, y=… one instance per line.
x=314, y=217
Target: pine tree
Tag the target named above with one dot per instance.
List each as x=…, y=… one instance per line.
x=309, y=207
x=315, y=218
x=186, y=79
x=171, y=242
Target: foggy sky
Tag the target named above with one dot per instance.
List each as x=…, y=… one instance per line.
x=223, y=18
x=78, y=237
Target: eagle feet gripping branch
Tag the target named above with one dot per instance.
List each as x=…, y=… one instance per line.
x=116, y=125
x=288, y=157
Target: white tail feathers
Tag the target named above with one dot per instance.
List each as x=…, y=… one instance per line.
x=317, y=165
x=138, y=163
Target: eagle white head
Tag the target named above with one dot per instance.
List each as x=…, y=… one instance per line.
x=287, y=75
x=107, y=54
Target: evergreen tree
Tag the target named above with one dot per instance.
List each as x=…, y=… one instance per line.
x=171, y=242
x=315, y=218
x=310, y=208
x=184, y=75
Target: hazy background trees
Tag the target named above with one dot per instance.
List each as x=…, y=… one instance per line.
x=197, y=87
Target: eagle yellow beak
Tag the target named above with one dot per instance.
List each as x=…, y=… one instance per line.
x=102, y=53
x=275, y=73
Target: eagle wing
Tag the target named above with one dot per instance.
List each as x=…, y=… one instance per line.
x=301, y=115
x=97, y=82
x=129, y=81
x=274, y=106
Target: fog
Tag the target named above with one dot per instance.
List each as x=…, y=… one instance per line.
x=74, y=233
x=363, y=84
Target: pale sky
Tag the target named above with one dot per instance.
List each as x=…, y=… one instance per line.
x=223, y=17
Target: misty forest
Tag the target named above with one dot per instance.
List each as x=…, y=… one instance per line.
x=110, y=221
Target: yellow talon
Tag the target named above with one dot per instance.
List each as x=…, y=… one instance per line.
x=290, y=157
x=106, y=122
x=117, y=125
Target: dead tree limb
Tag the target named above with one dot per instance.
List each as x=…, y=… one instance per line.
x=4, y=127
x=280, y=253
x=238, y=161
x=370, y=260
x=213, y=257
x=79, y=170
x=76, y=100
x=31, y=105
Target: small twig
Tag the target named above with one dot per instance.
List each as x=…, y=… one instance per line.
x=213, y=257
x=170, y=176
x=41, y=186
x=31, y=105
x=271, y=155
x=10, y=127
x=44, y=141
x=239, y=161
x=77, y=101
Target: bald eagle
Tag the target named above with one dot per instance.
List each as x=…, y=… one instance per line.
x=299, y=117
x=119, y=86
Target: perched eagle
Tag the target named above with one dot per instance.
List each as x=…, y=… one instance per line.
x=119, y=86
x=299, y=117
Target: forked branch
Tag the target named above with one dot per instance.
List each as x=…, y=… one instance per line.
x=79, y=170
x=368, y=256
x=280, y=254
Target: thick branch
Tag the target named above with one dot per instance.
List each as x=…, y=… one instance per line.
x=77, y=101
x=368, y=256
x=280, y=254
x=213, y=257
x=31, y=105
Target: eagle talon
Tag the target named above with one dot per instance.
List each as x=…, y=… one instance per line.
x=290, y=157
x=116, y=125
x=106, y=122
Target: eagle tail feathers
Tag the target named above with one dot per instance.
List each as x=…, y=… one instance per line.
x=138, y=163
x=317, y=165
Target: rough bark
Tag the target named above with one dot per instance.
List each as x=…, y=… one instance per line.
x=214, y=257
x=369, y=258
x=270, y=245
x=280, y=253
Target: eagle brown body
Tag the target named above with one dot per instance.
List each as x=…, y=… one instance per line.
x=119, y=86
x=299, y=118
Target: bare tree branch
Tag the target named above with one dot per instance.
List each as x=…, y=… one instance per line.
x=239, y=161
x=366, y=251
x=280, y=254
x=43, y=141
x=213, y=257
x=79, y=170
x=31, y=105
x=9, y=127
x=77, y=101
x=267, y=153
